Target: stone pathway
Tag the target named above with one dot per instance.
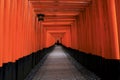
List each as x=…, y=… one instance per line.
x=58, y=66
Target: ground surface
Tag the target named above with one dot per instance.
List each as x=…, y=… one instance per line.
x=59, y=66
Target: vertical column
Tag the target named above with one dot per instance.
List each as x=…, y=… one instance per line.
x=81, y=31
x=111, y=45
x=12, y=31
x=1, y=30
x=24, y=27
x=101, y=28
x=15, y=14
x=21, y=29
x=18, y=28
x=78, y=31
x=108, y=29
x=41, y=32
x=44, y=34
x=74, y=34
x=6, y=32
x=38, y=34
x=113, y=30
x=84, y=32
x=117, y=4
x=97, y=30
x=34, y=32
x=89, y=37
x=93, y=23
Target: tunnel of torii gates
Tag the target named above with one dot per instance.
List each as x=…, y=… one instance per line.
x=95, y=29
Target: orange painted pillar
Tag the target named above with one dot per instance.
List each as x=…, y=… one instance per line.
x=79, y=31
x=77, y=24
x=1, y=30
x=94, y=34
x=18, y=27
x=110, y=31
x=89, y=44
x=96, y=29
x=74, y=34
x=96, y=24
x=38, y=30
x=36, y=47
x=117, y=6
x=113, y=30
x=88, y=30
x=91, y=30
x=41, y=34
x=24, y=27
x=18, y=37
x=12, y=32
x=21, y=29
x=44, y=31
x=30, y=32
x=38, y=34
x=101, y=28
x=6, y=32
x=84, y=31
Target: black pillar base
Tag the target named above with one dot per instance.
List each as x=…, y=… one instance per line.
x=9, y=71
x=19, y=70
x=111, y=69
x=27, y=65
x=33, y=60
x=1, y=73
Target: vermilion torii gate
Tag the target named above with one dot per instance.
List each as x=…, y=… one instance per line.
x=91, y=26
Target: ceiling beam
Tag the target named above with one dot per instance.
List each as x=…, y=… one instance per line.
x=60, y=20
x=57, y=10
x=72, y=13
x=45, y=6
x=61, y=1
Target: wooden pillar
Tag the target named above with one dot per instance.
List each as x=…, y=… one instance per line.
x=41, y=34
x=84, y=32
x=74, y=34
x=111, y=47
x=117, y=4
x=38, y=30
x=96, y=26
x=18, y=27
x=1, y=30
x=12, y=32
x=24, y=28
x=93, y=30
x=106, y=18
x=89, y=35
x=6, y=32
x=101, y=29
x=44, y=35
x=113, y=30
x=80, y=31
